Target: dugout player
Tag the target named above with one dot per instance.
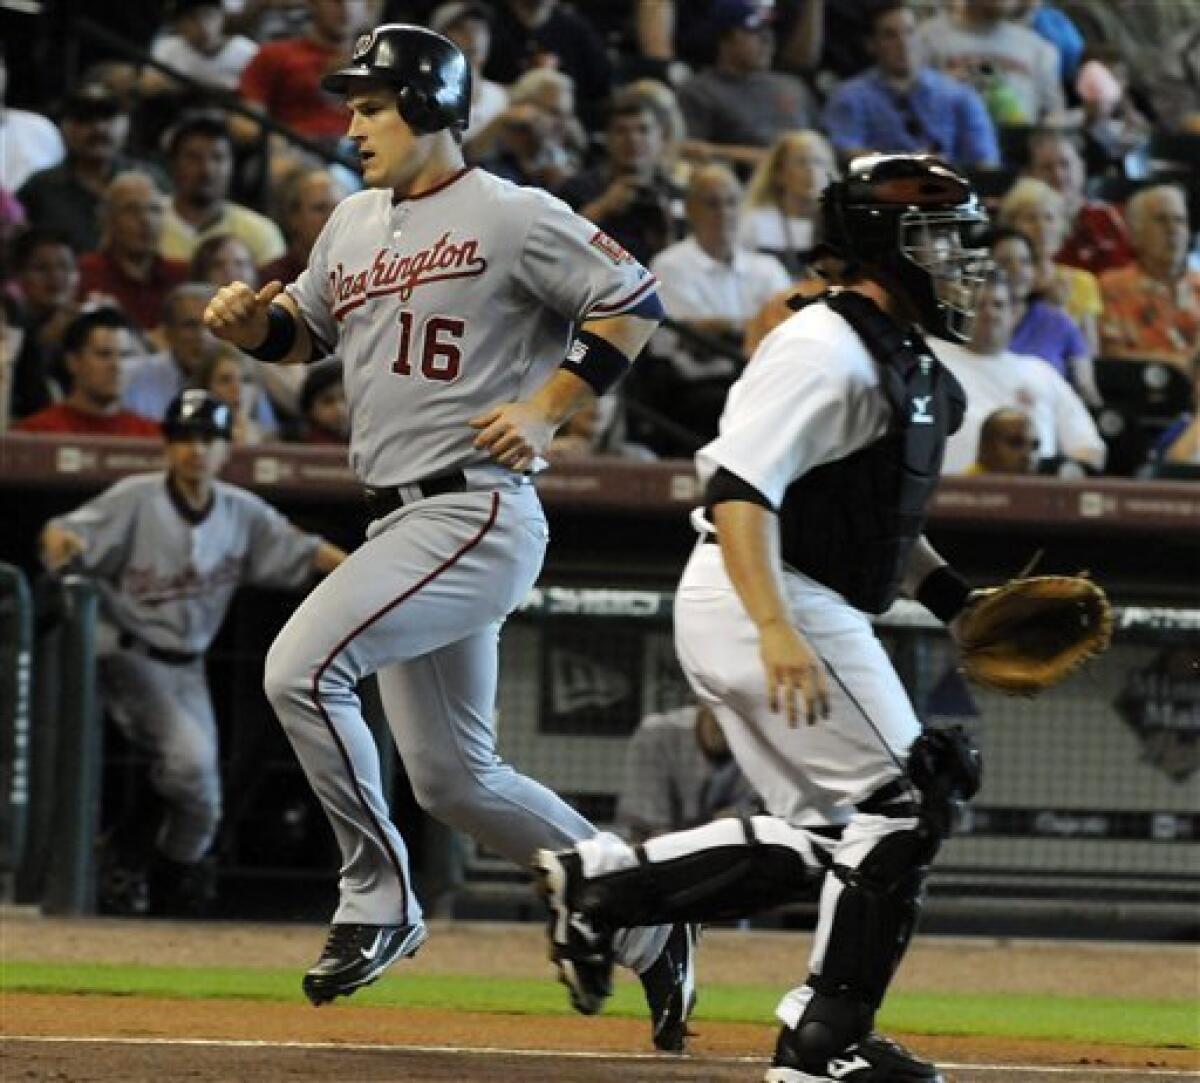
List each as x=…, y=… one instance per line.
x=472, y=318
x=167, y=551
x=815, y=501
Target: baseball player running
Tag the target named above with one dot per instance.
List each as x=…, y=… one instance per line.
x=168, y=551
x=816, y=491
x=473, y=318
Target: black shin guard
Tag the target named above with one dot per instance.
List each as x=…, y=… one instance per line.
x=872, y=925
x=734, y=868
x=871, y=932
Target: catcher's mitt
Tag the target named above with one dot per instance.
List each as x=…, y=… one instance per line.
x=1027, y=635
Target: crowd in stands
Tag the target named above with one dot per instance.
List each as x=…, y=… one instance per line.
x=697, y=135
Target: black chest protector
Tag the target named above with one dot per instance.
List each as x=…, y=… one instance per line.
x=851, y=524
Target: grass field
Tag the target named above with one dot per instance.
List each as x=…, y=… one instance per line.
x=1167, y=1023
x=104, y=1000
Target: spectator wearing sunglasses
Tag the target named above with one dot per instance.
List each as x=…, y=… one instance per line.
x=901, y=104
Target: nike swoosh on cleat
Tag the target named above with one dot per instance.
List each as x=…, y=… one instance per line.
x=371, y=953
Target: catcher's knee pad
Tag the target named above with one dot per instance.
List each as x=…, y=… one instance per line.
x=874, y=918
x=947, y=767
x=727, y=869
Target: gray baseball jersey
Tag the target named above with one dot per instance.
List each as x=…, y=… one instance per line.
x=166, y=578
x=448, y=304
x=170, y=579
x=441, y=306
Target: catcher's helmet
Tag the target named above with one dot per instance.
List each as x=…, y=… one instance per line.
x=915, y=219
x=429, y=71
x=195, y=412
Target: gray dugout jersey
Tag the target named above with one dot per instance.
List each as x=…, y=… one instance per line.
x=444, y=305
x=169, y=581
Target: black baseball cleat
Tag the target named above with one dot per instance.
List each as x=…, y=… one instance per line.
x=873, y=1059
x=670, y=987
x=355, y=955
x=582, y=953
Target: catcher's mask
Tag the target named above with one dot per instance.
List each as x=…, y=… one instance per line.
x=916, y=222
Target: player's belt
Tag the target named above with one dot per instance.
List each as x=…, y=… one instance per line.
x=381, y=502
x=129, y=642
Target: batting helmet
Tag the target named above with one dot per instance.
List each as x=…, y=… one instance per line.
x=915, y=219
x=195, y=412
x=429, y=71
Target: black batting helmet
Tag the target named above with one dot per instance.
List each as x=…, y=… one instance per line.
x=918, y=221
x=196, y=412
x=428, y=70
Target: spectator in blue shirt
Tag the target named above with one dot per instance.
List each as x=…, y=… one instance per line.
x=1058, y=29
x=903, y=105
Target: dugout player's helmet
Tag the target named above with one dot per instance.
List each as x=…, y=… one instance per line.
x=430, y=73
x=196, y=412
x=916, y=220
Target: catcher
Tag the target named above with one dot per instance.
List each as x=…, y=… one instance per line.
x=830, y=448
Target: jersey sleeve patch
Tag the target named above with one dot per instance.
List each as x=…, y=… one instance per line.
x=605, y=244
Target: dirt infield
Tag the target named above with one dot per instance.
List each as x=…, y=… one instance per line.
x=350, y=1042
x=94, y=1062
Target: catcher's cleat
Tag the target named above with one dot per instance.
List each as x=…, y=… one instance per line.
x=874, y=1059
x=582, y=953
x=355, y=955
x=670, y=987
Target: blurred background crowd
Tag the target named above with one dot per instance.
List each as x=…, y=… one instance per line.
x=189, y=144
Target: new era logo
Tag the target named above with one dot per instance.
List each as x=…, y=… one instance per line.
x=579, y=683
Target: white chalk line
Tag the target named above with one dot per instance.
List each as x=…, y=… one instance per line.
x=1084, y=1072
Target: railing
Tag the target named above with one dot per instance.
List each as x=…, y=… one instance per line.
x=16, y=672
